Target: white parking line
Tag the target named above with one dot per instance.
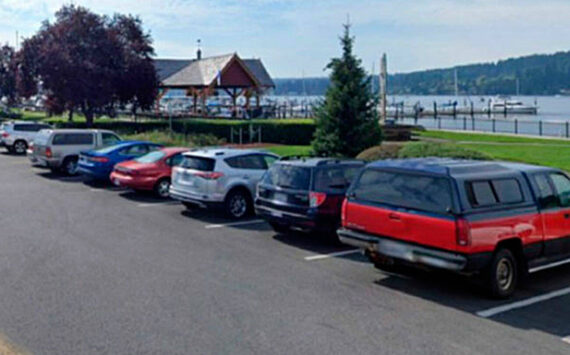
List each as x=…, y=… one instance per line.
x=222, y=225
x=524, y=303
x=331, y=255
x=159, y=203
x=566, y=339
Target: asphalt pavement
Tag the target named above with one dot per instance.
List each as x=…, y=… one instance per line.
x=88, y=268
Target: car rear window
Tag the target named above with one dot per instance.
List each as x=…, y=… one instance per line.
x=198, y=163
x=421, y=192
x=288, y=176
x=335, y=178
x=42, y=137
x=151, y=157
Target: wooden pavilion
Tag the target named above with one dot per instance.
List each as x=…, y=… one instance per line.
x=202, y=77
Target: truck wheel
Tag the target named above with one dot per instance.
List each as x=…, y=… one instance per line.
x=238, y=204
x=20, y=147
x=70, y=166
x=189, y=206
x=162, y=188
x=503, y=274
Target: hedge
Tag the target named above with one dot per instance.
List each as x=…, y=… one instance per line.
x=289, y=131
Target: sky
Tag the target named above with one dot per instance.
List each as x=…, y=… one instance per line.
x=296, y=38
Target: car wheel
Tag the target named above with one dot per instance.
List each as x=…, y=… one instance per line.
x=238, y=204
x=503, y=274
x=20, y=147
x=162, y=188
x=279, y=228
x=70, y=166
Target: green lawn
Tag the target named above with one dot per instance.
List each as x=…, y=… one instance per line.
x=285, y=150
x=549, y=152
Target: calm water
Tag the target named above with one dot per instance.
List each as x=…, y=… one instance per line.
x=551, y=120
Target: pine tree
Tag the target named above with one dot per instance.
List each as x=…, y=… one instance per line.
x=346, y=120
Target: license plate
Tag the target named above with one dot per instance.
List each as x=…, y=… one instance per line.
x=117, y=182
x=276, y=214
x=280, y=197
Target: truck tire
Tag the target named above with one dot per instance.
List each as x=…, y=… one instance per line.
x=69, y=166
x=503, y=274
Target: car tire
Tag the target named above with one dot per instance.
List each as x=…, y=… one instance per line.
x=279, y=228
x=503, y=274
x=69, y=166
x=162, y=187
x=238, y=204
x=20, y=147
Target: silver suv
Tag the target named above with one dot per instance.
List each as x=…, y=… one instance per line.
x=223, y=177
x=16, y=136
x=58, y=149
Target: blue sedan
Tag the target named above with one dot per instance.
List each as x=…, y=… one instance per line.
x=99, y=163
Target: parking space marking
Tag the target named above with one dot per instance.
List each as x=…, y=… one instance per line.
x=223, y=225
x=331, y=255
x=524, y=303
x=566, y=339
x=159, y=203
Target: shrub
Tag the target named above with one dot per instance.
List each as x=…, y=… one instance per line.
x=445, y=150
x=291, y=132
x=379, y=152
x=177, y=139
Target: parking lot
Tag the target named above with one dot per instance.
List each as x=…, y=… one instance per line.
x=91, y=268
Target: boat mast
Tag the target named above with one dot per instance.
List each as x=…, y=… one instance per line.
x=456, y=86
x=382, y=90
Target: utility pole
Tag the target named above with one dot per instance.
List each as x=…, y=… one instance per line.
x=382, y=89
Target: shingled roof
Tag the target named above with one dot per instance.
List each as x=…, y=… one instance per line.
x=203, y=72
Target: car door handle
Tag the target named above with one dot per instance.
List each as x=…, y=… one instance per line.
x=394, y=216
x=246, y=177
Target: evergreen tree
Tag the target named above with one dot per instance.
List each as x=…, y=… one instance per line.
x=346, y=120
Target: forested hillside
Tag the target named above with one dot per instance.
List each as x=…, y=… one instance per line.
x=536, y=74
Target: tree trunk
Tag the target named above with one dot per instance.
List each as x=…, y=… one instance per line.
x=134, y=112
x=70, y=115
x=88, y=112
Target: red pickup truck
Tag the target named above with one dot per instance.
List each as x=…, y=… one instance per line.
x=499, y=220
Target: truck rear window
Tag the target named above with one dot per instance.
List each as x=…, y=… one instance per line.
x=421, y=192
x=198, y=163
x=492, y=192
x=288, y=176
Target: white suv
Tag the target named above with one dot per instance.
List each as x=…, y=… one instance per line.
x=16, y=136
x=223, y=177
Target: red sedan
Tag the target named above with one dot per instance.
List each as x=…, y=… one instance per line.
x=150, y=172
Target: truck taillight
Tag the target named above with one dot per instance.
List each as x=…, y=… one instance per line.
x=343, y=212
x=463, y=232
x=316, y=198
x=48, y=152
x=5, y=135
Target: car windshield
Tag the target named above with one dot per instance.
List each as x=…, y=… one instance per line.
x=421, y=192
x=288, y=176
x=151, y=157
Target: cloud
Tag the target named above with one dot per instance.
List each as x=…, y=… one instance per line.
x=294, y=36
